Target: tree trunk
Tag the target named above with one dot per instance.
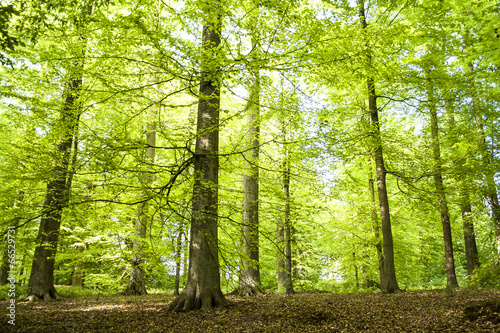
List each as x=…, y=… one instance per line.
x=178, y=251
x=77, y=280
x=57, y=195
x=280, y=254
x=471, y=252
x=491, y=192
x=249, y=280
x=389, y=284
x=202, y=290
x=42, y=271
x=288, y=285
x=137, y=282
x=376, y=228
x=451, y=279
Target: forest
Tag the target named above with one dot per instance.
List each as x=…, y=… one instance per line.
x=215, y=150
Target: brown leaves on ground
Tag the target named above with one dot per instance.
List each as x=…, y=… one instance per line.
x=462, y=311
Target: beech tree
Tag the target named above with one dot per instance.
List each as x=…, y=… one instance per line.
x=42, y=271
x=438, y=182
x=202, y=290
x=342, y=196
x=388, y=282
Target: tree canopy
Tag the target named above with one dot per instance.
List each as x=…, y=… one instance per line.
x=351, y=145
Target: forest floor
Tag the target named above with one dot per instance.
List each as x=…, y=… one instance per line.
x=410, y=311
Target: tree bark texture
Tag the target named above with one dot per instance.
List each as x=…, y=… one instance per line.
x=376, y=227
x=202, y=290
x=57, y=194
x=389, y=284
x=451, y=279
x=42, y=271
x=249, y=281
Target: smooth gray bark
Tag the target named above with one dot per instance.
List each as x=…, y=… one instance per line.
x=249, y=280
x=202, y=290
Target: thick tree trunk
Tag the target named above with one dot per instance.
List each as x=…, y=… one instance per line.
x=137, y=282
x=202, y=290
x=389, y=284
x=451, y=279
x=491, y=192
x=249, y=280
x=42, y=271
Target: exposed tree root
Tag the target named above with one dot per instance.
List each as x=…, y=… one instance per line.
x=247, y=290
x=45, y=296
x=135, y=290
x=193, y=298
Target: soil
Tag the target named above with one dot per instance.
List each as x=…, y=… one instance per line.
x=410, y=311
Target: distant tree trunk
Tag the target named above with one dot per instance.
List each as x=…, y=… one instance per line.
x=491, y=192
x=376, y=228
x=202, y=289
x=249, y=280
x=389, y=284
x=288, y=285
x=178, y=252
x=471, y=252
x=77, y=280
x=356, y=274
x=451, y=279
x=137, y=282
x=280, y=254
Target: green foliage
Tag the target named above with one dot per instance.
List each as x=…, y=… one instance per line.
x=486, y=276
x=20, y=291
x=142, y=65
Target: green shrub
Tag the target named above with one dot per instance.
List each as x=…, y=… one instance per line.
x=486, y=276
x=21, y=291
